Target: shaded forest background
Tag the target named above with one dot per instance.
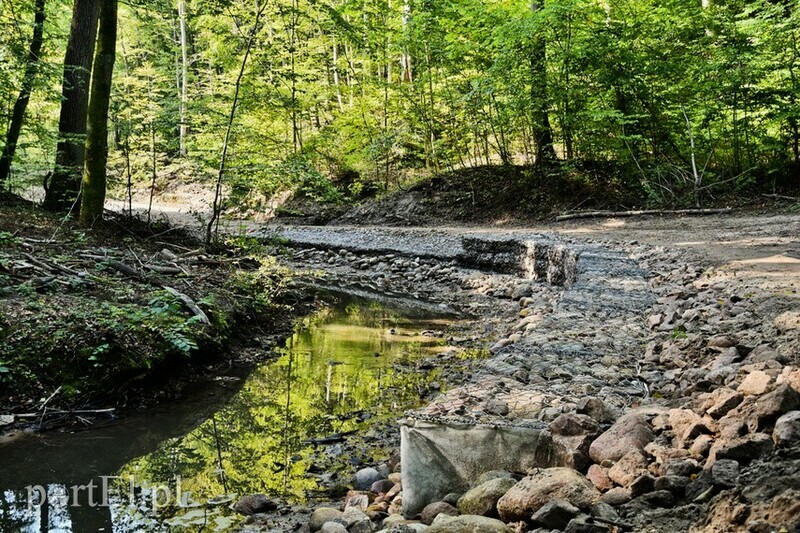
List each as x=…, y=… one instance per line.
x=676, y=101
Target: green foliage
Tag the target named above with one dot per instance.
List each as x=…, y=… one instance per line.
x=391, y=91
x=261, y=286
x=8, y=239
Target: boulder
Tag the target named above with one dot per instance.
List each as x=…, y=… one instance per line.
x=358, y=499
x=686, y=425
x=596, y=409
x=659, y=498
x=742, y=449
x=365, y=478
x=756, y=382
x=573, y=451
x=718, y=402
x=681, y=467
x=482, y=500
x=616, y=496
x=642, y=485
x=721, y=341
x=630, y=432
x=599, y=477
x=354, y=516
x=787, y=429
x=725, y=472
x=381, y=487
x=555, y=514
x=764, y=353
x=632, y=465
x=781, y=400
x=675, y=484
x=467, y=524
x=333, y=527
x=493, y=474
x=254, y=504
x=701, y=445
x=534, y=491
x=572, y=424
x=322, y=515
x=397, y=521
x=790, y=376
x=432, y=510
x=605, y=513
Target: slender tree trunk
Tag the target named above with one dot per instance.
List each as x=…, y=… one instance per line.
x=292, y=45
x=336, y=75
x=216, y=208
x=65, y=182
x=405, y=58
x=708, y=4
x=542, y=131
x=18, y=114
x=93, y=191
x=184, y=75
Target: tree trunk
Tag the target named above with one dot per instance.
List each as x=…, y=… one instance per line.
x=184, y=75
x=17, y=116
x=93, y=192
x=65, y=182
x=542, y=131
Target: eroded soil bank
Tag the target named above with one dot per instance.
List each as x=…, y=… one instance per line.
x=662, y=370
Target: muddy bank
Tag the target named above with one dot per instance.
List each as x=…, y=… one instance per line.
x=663, y=386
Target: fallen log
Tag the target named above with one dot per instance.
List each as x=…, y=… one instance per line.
x=641, y=212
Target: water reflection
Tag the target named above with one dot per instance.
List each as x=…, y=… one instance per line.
x=342, y=369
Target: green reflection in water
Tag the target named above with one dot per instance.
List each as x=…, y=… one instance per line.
x=343, y=369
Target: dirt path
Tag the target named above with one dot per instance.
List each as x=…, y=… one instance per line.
x=757, y=246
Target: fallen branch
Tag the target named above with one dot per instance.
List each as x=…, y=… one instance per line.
x=124, y=269
x=52, y=265
x=164, y=269
x=781, y=197
x=641, y=212
x=60, y=412
x=330, y=439
x=188, y=302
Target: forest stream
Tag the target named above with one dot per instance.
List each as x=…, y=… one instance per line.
x=313, y=414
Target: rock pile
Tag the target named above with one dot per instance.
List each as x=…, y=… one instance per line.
x=671, y=394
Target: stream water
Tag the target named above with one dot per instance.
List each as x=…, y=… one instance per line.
x=282, y=431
